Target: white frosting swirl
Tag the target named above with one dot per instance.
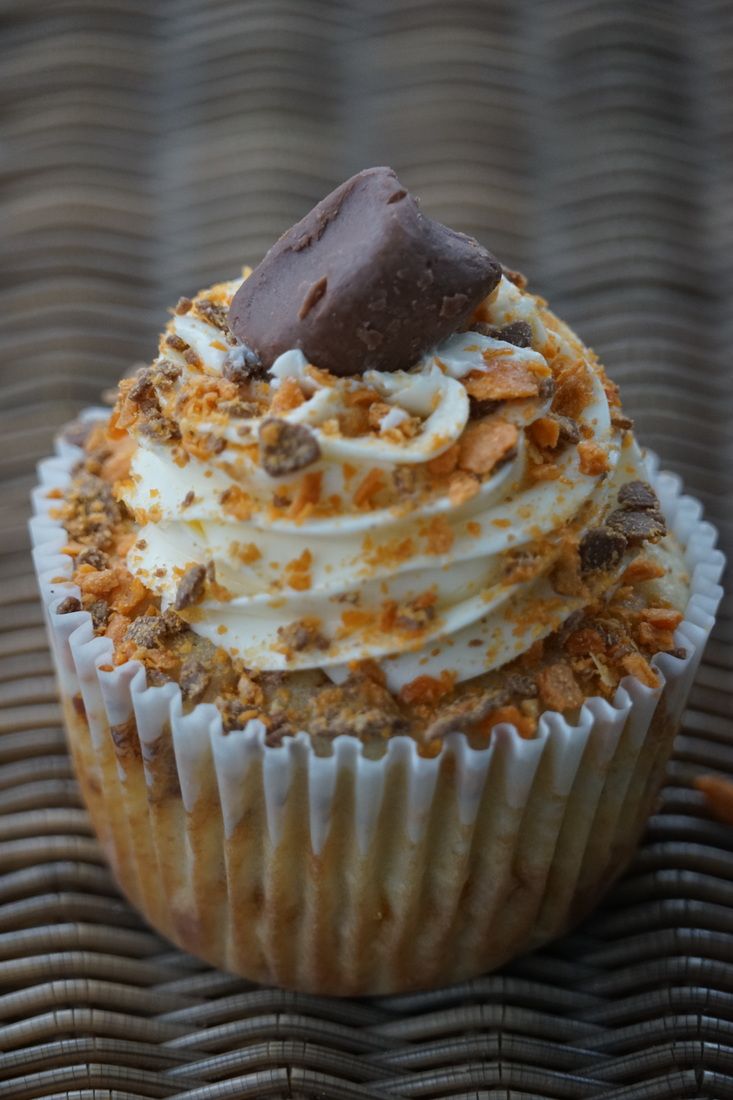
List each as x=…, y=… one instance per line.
x=344, y=563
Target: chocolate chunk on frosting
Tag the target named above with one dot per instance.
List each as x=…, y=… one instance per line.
x=286, y=448
x=638, y=496
x=191, y=587
x=601, y=548
x=364, y=281
x=645, y=525
x=242, y=365
x=518, y=333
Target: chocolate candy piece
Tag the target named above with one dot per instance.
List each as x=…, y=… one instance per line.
x=518, y=333
x=191, y=587
x=638, y=496
x=364, y=281
x=638, y=526
x=601, y=548
x=68, y=606
x=286, y=448
x=569, y=430
x=242, y=365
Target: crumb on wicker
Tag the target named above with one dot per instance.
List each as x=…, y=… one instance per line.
x=718, y=794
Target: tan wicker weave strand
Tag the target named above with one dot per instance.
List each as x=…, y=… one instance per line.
x=148, y=147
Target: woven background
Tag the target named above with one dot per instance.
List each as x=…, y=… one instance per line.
x=147, y=146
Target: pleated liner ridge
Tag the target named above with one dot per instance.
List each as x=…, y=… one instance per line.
x=344, y=875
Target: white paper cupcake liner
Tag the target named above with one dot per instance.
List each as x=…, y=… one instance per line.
x=347, y=875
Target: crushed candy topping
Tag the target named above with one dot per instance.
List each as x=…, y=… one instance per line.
x=286, y=448
x=466, y=538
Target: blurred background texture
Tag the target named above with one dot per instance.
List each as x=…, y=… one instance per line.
x=148, y=147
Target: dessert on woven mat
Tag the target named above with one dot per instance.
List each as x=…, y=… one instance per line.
x=372, y=629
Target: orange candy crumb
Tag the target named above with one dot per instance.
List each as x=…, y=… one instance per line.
x=638, y=666
x=235, y=502
x=545, y=471
x=288, y=396
x=461, y=487
x=130, y=596
x=308, y=495
x=444, y=464
x=545, y=432
x=428, y=689
x=524, y=723
x=438, y=535
x=392, y=552
x=504, y=381
x=642, y=569
x=431, y=749
x=484, y=443
x=558, y=687
x=96, y=582
x=574, y=389
x=372, y=484
x=662, y=618
x=355, y=619
x=297, y=572
x=593, y=459
x=247, y=552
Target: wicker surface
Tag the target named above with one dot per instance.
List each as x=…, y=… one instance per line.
x=148, y=147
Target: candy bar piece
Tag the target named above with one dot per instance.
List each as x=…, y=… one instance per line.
x=364, y=281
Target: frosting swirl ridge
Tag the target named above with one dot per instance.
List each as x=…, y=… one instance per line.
x=427, y=518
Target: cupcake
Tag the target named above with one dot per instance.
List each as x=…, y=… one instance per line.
x=373, y=624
